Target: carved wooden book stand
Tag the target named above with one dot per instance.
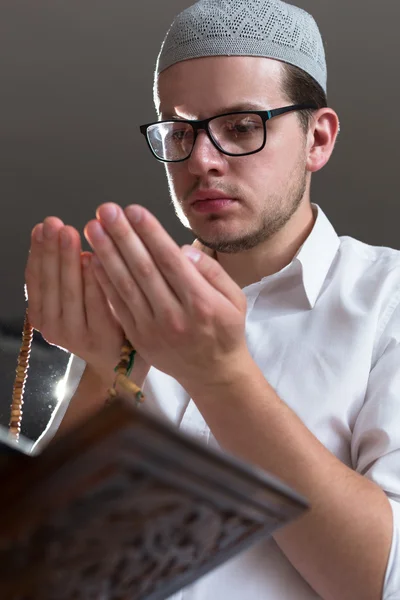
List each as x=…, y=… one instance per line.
x=125, y=507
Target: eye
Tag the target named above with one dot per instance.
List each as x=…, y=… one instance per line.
x=243, y=125
x=178, y=135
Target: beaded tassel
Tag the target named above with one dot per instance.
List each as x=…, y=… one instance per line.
x=20, y=379
x=123, y=370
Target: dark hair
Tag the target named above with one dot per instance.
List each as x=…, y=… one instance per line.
x=300, y=87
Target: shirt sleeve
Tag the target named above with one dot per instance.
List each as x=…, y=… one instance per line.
x=72, y=377
x=376, y=437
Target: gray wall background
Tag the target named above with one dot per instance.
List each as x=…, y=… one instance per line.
x=76, y=81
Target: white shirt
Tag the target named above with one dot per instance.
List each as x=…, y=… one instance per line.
x=325, y=331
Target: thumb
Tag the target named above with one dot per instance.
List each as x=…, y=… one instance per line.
x=216, y=276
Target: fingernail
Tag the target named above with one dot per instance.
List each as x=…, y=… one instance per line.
x=134, y=213
x=38, y=233
x=108, y=213
x=64, y=239
x=85, y=260
x=193, y=254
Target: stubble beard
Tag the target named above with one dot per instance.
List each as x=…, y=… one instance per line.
x=278, y=211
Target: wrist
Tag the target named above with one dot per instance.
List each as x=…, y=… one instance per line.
x=228, y=373
x=103, y=374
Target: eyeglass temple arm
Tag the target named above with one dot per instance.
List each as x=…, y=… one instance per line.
x=281, y=111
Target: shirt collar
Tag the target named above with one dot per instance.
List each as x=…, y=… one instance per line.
x=315, y=257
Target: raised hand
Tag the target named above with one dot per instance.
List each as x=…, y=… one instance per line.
x=66, y=303
x=187, y=320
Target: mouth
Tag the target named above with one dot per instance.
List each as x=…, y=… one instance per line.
x=209, y=196
x=212, y=203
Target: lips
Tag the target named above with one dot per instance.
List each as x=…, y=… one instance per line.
x=205, y=195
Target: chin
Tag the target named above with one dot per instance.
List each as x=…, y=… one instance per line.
x=227, y=244
x=217, y=233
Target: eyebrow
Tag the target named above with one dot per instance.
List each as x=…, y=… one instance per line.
x=240, y=107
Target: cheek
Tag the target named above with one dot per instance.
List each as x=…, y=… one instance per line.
x=281, y=154
x=177, y=177
x=255, y=171
x=268, y=172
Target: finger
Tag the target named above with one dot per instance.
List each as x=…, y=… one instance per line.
x=50, y=280
x=33, y=276
x=177, y=270
x=97, y=308
x=127, y=317
x=130, y=266
x=215, y=275
x=108, y=259
x=140, y=263
x=71, y=293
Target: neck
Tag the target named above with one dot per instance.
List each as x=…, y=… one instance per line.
x=272, y=255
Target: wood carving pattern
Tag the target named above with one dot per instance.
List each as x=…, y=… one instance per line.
x=123, y=538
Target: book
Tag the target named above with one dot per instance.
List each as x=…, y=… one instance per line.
x=126, y=506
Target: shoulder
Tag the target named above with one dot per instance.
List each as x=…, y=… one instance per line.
x=381, y=256
x=371, y=276
x=364, y=262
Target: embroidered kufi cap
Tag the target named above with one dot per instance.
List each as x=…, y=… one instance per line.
x=268, y=28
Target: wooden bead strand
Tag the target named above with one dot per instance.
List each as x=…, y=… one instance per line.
x=20, y=379
x=122, y=380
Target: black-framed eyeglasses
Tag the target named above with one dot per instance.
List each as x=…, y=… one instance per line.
x=235, y=134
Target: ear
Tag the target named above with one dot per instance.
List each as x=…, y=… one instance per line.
x=321, y=138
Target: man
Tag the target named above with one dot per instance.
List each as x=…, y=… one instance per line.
x=279, y=342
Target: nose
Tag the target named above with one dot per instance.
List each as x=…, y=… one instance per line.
x=206, y=157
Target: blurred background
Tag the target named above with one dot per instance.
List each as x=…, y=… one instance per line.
x=76, y=82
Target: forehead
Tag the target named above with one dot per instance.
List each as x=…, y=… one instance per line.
x=203, y=87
